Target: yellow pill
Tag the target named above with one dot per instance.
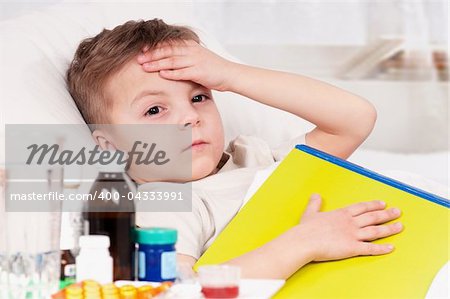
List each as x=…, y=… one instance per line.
x=110, y=291
x=91, y=287
x=74, y=290
x=128, y=292
x=111, y=296
x=79, y=296
x=127, y=287
x=109, y=286
x=90, y=282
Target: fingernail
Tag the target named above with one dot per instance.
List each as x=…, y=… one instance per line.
x=390, y=247
x=398, y=225
x=382, y=203
x=147, y=65
x=396, y=211
x=315, y=196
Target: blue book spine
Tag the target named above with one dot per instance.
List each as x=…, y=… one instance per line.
x=373, y=175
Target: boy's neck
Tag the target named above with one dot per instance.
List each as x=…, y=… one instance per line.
x=222, y=162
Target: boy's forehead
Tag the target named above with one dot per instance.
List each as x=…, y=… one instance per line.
x=130, y=71
x=131, y=79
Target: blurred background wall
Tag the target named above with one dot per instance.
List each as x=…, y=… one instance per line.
x=394, y=53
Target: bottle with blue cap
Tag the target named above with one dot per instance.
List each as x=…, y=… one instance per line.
x=156, y=254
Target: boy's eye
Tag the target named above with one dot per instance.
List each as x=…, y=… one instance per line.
x=153, y=110
x=199, y=98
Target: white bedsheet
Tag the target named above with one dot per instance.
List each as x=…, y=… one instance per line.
x=428, y=171
x=433, y=165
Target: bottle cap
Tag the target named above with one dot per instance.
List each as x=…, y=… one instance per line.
x=94, y=241
x=156, y=235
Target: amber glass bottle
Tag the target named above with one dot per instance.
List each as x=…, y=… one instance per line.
x=112, y=213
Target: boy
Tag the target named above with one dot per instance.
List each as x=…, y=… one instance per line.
x=148, y=72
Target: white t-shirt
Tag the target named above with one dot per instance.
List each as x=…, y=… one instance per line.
x=216, y=199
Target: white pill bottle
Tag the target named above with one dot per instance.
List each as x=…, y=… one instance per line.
x=94, y=261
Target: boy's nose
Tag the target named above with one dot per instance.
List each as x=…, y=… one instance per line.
x=192, y=118
x=193, y=124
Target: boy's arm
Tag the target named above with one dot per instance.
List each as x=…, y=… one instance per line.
x=277, y=259
x=343, y=120
x=320, y=236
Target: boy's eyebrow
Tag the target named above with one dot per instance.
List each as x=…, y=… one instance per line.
x=146, y=92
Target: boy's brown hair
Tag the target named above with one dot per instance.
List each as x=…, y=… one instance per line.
x=99, y=57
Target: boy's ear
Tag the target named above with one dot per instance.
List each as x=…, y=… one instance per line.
x=103, y=140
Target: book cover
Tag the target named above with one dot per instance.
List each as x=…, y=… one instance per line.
x=421, y=249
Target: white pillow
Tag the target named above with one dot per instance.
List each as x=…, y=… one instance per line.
x=38, y=47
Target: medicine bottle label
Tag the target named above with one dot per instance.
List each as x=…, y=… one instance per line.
x=70, y=271
x=141, y=266
x=168, y=265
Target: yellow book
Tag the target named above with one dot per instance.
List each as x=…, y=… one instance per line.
x=420, y=250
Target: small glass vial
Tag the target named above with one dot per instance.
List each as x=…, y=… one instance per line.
x=156, y=254
x=67, y=245
x=219, y=281
x=94, y=261
x=68, y=272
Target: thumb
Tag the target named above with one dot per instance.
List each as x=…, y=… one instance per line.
x=314, y=204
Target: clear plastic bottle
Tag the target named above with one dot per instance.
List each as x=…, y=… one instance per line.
x=94, y=261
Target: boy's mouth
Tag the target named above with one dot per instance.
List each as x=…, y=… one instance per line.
x=196, y=144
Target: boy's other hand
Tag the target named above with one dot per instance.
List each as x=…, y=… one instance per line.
x=187, y=60
x=347, y=232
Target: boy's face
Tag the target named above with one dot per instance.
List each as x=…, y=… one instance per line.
x=140, y=97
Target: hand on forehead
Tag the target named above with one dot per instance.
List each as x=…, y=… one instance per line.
x=187, y=60
x=165, y=49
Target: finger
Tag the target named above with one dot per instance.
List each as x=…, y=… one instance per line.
x=145, y=48
x=313, y=206
x=171, y=43
x=178, y=74
x=167, y=51
x=377, y=217
x=174, y=62
x=364, y=207
x=367, y=248
x=375, y=232
x=155, y=54
x=145, y=55
x=189, y=42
